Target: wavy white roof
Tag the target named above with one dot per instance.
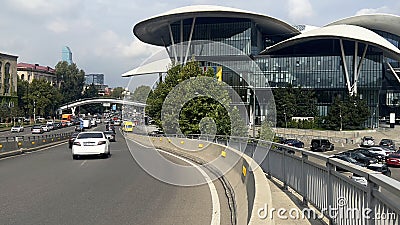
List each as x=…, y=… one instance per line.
x=151, y=30
x=346, y=32
x=383, y=22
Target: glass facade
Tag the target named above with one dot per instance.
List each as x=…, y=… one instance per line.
x=316, y=65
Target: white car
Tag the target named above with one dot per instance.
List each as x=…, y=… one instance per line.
x=17, y=128
x=91, y=143
x=37, y=129
x=46, y=128
x=378, y=150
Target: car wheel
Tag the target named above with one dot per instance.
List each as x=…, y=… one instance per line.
x=75, y=157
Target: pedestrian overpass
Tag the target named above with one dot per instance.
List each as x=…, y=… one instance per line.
x=80, y=102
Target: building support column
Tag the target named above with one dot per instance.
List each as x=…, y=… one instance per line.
x=181, y=45
x=354, y=86
x=73, y=109
x=190, y=39
x=173, y=43
x=346, y=72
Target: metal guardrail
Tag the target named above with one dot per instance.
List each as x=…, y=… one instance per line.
x=321, y=182
x=18, y=142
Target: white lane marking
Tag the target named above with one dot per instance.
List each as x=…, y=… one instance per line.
x=83, y=163
x=216, y=208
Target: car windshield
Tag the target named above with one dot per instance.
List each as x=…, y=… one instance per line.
x=36, y=127
x=89, y=135
x=324, y=142
x=108, y=132
x=396, y=156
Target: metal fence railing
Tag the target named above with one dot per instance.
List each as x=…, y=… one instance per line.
x=323, y=181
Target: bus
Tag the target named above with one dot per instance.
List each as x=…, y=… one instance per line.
x=128, y=126
x=66, y=117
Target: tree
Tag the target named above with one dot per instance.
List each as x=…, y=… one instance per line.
x=141, y=94
x=195, y=102
x=71, y=81
x=350, y=113
x=43, y=98
x=294, y=101
x=117, y=92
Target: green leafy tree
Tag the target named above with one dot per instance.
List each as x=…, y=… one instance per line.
x=117, y=92
x=194, y=101
x=141, y=93
x=294, y=102
x=266, y=132
x=43, y=98
x=349, y=114
x=71, y=80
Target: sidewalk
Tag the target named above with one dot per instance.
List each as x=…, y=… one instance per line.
x=291, y=202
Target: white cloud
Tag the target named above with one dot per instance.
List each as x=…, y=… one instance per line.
x=383, y=9
x=58, y=26
x=43, y=7
x=299, y=9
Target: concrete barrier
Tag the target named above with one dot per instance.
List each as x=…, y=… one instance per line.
x=246, y=180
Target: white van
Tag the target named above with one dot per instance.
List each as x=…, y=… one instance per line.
x=87, y=124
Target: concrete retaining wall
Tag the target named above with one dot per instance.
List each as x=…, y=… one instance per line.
x=247, y=181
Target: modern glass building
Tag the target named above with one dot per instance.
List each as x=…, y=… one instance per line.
x=357, y=55
x=66, y=55
x=94, y=78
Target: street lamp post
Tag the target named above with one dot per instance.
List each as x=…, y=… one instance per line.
x=341, y=120
x=34, y=111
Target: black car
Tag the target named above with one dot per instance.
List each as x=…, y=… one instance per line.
x=110, y=135
x=368, y=153
x=348, y=159
x=294, y=142
x=384, y=169
x=389, y=143
x=360, y=157
x=321, y=145
x=72, y=139
x=57, y=125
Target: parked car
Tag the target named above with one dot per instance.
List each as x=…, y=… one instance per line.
x=389, y=143
x=91, y=143
x=348, y=159
x=367, y=141
x=37, y=129
x=295, y=143
x=280, y=140
x=368, y=153
x=57, y=125
x=321, y=145
x=156, y=133
x=72, y=139
x=17, y=128
x=393, y=159
x=379, y=150
x=110, y=135
x=360, y=157
x=384, y=169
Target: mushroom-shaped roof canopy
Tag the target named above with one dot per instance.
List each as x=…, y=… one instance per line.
x=345, y=32
x=383, y=22
x=155, y=29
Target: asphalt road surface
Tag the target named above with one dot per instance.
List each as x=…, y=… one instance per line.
x=48, y=187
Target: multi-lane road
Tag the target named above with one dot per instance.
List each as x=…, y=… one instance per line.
x=48, y=187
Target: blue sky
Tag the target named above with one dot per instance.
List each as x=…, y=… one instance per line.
x=99, y=32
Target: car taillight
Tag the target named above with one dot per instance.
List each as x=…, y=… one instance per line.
x=101, y=143
x=77, y=143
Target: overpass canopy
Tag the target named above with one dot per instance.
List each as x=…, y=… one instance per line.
x=157, y=66
x=155, y=30
x=382, y=22
x=344, y=32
